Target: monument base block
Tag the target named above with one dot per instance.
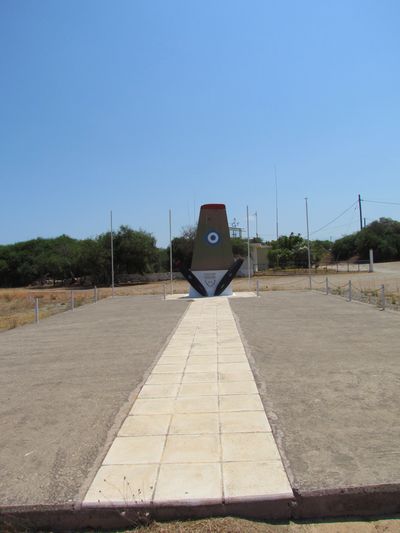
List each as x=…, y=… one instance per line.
x=210, y=280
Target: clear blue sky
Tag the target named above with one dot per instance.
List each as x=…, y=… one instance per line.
x=141, y=106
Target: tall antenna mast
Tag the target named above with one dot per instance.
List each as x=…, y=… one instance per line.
x=276, y=204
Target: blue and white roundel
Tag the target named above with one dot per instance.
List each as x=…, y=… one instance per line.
x=213, y=237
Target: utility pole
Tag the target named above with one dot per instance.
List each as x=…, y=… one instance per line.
x=255, y=214
x=112, y=254
x=308, y=244
x=170, y=252
x=248, y=244
x=360, y=208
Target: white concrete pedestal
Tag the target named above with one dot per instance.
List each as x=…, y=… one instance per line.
x=210, y=280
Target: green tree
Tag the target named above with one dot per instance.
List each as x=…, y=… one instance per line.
x=239, y=246
x=382, y=236
x=135, y=251
x=182, y=247
x=288, y=250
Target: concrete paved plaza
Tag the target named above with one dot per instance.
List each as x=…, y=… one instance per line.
x=65, y=384
x=328, y=372
x=87, y=417
x=198, y=430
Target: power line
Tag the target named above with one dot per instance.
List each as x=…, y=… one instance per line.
x=376, y=202
x=334, y=220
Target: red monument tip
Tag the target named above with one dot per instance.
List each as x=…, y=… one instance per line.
x=213, y=206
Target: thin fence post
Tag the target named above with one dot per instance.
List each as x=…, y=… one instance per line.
x=258, y=287
x=37, y=310
x=72, y=301
x=350, y=295
x=165, y=291
x=326, y=286
x=383, y=302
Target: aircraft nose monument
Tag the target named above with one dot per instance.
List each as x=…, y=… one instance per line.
x=213, y=265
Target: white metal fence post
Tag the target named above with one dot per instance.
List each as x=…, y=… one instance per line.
x=350, y=295
x=258, y=287
x=383, y=302
x=37, y=310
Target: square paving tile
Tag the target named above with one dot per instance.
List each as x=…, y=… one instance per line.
x=172, y=359
x=230, y=351
x=168, y=390
x=210, y=354
x=159, y=379
x=144, y=425
x=202, y=360
x=168, y=369
x=204, y=345
x=229, y=338
x=238, y=358
x=201, y=368
x=234, y=367
x=177, y=351
x=198, y=389
x=194, y=423
x=123, y=483
x=235, y=376
x=189, y=482
x=234, y=345
x=204, y=352
x=255, y=479
x=240, y=402
x=154, y=406
x=191, y=449
x=199, y=404
x=249, y=447
x=237, y=387
x=244, y=422
x=135, y=450
x=200, y=377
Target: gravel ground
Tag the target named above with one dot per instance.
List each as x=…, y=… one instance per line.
x=329, y=374
x=65, y=385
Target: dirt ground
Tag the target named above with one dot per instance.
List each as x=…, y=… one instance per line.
x=238, y=525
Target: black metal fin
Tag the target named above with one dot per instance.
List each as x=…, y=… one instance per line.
x=192, y=279
x=228, y=277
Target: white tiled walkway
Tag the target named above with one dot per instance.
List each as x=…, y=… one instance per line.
x=197, y=430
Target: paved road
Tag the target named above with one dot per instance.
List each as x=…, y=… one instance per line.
x=64, y=388
x=329, y=376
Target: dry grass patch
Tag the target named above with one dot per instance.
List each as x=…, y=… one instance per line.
x=17, y=305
